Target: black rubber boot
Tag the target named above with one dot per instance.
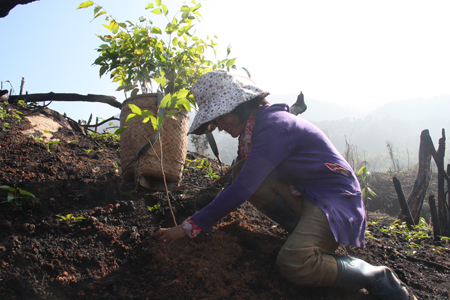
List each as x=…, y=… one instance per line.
x=355, y=274
x=278, y=211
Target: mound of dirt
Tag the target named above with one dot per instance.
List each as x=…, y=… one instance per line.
x=112, y=252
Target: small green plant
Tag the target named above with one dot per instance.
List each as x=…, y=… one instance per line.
x=116, y=167
x=201, y=163
x=210, y=172
x=107, y=136
x=366, y=190
x=413, y=236
x=88, y=150
x=47, y=145
x=22, y=104
x=6, y=113
x=76, y=197
x=194, y=164
x=185, y=194
x=15, y=196
x=154, y=207
x=70, y=219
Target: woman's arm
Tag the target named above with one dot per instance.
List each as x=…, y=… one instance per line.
x=270, y=146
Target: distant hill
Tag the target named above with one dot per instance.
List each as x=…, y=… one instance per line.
x=319, y=110
x=416, y=109
x=399, y=123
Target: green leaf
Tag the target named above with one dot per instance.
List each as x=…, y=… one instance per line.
x=135, y=109
x=8, y=188
x=114, y=28
x=196, y=7
x=121, y=129
x=157, y=11
x=166, y=11
x=230, y=62
x=146, y=113
x=134, y=92
x=156, y=30
x=161, y=80
x=97, y=9
x=183, y=30
x=145, y=119
x=371, y=192
x=172, y=112
x=130, y=117
x=85, y=4
x=181, y=94
x=158, y=2
x=361, y=170
x=184, y=103
x=99, y=14
x=150, y=5
x=186, y=13
x=165, y=101
x=154, y=207
x=26, y=193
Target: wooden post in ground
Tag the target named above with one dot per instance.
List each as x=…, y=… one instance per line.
x=434, y=218
x=415, y=199
x=448, y=200
x=406, y=213
x=441, y=207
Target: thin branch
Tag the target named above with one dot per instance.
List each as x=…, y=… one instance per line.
x=111, y=100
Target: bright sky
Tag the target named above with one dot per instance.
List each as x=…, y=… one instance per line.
x=361, y=53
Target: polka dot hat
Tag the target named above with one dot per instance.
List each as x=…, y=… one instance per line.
x=218, y=93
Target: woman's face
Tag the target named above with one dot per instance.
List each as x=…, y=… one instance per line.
x=231, y=123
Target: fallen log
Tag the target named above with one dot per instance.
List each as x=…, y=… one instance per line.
x=111, y=100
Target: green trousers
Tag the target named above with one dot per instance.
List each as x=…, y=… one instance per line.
x=305, y=259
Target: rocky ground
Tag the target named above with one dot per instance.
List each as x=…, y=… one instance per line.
x=112, y=252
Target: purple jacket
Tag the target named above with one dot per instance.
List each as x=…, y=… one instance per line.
x=291, y=149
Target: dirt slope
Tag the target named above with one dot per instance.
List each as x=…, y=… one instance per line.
x=112, y=254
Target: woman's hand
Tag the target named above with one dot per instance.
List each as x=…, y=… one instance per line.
x=169, y=235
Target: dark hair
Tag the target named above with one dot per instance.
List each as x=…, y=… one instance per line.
x=244, y=110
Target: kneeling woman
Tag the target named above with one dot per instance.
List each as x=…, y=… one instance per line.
x=289, y=170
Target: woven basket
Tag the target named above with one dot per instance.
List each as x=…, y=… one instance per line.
x=174, y=143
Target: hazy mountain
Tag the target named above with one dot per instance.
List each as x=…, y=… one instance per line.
x=416, y=109
x=319, y=110
x=368, y=132
x=399, y=123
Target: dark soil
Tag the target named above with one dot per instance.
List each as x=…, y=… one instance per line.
x=112, y=254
